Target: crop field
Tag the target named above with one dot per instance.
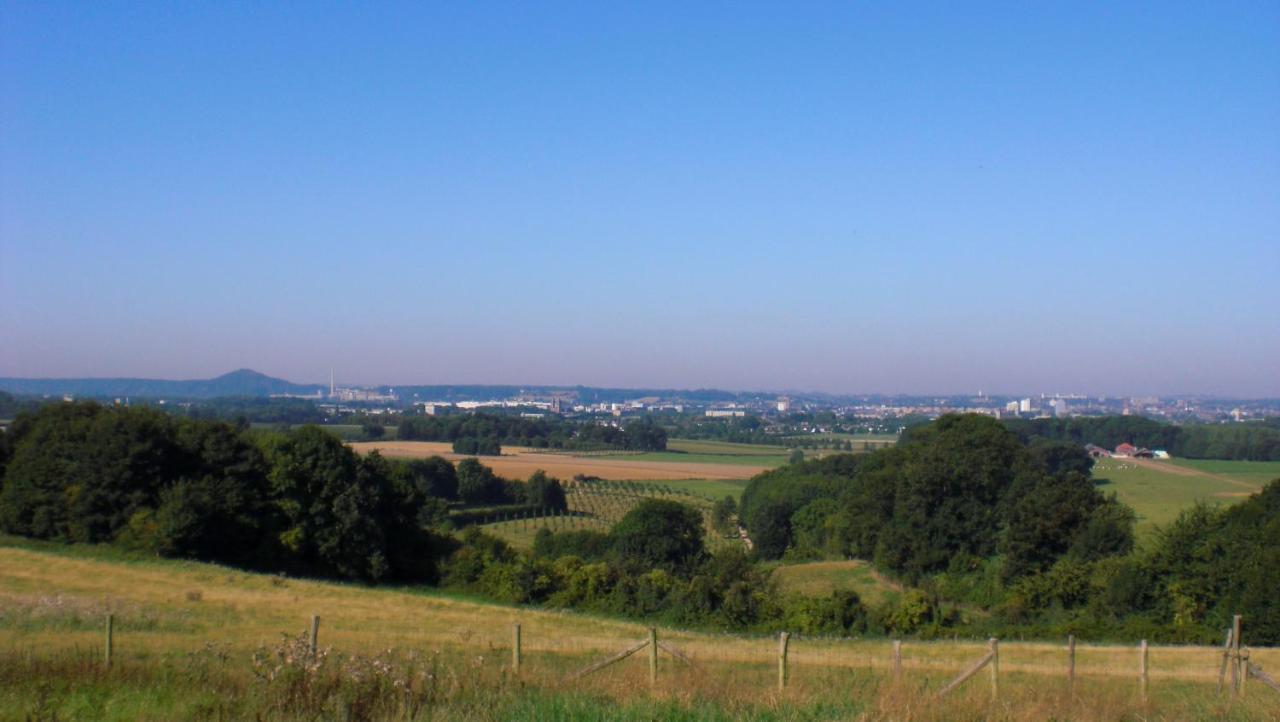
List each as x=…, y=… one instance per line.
x=1159, y=490
x=200, y=641
x=518, y=463
x=598, y=505
x=724, y=448
x=817, y=579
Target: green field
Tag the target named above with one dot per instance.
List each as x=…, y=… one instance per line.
x=1159, y=491
x=714, y=452
x=816, y=579
x=723, y=448
x=1250, y=472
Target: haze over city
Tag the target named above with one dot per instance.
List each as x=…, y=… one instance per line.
x=934, y=200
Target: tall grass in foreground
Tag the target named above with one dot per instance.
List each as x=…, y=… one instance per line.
x=286, y=682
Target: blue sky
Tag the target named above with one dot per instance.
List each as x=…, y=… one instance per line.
x=1016, y=197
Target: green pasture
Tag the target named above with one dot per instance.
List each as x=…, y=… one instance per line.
x=723, y=448
x=1158, y=496
x=1251, y=472
x=819, y=579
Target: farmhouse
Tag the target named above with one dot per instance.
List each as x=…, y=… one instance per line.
x=1097, y=452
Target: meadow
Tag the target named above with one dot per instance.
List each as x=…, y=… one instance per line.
x=1159, y=490
x=817, y=579
x=200, y=641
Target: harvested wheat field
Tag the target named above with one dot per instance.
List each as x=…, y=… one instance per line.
x=518, y=463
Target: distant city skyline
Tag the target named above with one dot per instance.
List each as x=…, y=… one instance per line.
x=929, y=199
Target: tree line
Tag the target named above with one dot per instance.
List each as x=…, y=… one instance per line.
x=299, y=501
x=1242, y=441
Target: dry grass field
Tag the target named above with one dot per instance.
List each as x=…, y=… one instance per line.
x=172, y=615
x=518, y=463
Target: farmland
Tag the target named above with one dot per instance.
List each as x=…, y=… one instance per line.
x=1159, y=490
x=519, y=463
x=600, y=504
x=186, y=634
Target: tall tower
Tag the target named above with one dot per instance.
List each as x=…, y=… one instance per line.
x=330, y=382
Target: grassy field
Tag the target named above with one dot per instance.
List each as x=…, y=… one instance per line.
x=199, y=641
x=725, y=448
x=818, y=579
x=1159, y=490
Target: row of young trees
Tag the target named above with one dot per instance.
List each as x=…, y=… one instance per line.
x=967, y=512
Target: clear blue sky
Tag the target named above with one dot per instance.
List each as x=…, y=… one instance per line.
x=846, y=197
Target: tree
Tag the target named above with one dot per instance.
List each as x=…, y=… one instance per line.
x=477, y=484
x=545, y=492
x=373, y=430
x=659, y=534
x=724, y=516
x=434, y=477
x=796, y=457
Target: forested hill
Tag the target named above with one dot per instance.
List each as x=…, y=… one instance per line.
x=242, y=382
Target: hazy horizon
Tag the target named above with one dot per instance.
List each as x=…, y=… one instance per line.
x=928, y=201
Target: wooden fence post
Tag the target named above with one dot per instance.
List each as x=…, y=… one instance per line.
x=315, y=634
x=111, y=623
x=897, y=659
x=1071, y=663
x=1244, y=670
x=1235, y=653
x=994, y=645
x=1226, y=659
x=783, y=639
x=1142, y=669
x=653, y=655
x=515, y=648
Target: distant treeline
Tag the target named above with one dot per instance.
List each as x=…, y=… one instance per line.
x=1240, y=441
x=553, y=433
x=747, y=429
x=971, y=515
x=298, y=501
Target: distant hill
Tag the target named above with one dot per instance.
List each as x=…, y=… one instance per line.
x=243, y=382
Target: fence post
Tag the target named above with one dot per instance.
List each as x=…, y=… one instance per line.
x=1244, y=670
x=994, y=645
x=783, y=639
x=515, y=648
x=315, y=633
x=111, y=623
x=1235, y=653
x=1071, y=663
x=1226, y=659
x=653, y=655
x=1142, y=669
x=897, y=659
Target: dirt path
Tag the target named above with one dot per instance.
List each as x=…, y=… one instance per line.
x=1176, y=470
x=519, y=464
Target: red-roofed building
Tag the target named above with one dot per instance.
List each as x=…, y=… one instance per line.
x=1126, y=450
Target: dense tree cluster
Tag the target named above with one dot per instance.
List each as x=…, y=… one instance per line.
x=298, y=501
x=1249, y=442
x=961, y=488
x=973, y=516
